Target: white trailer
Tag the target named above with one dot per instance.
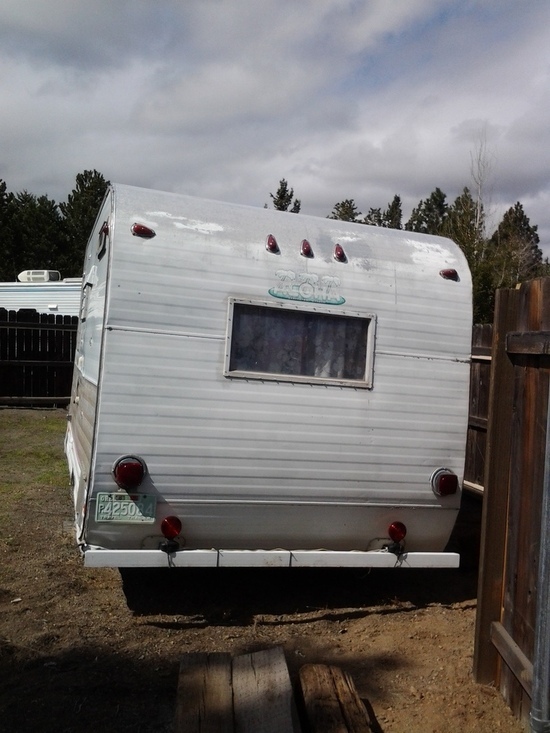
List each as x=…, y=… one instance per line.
x=259, y=388
x=42, y=291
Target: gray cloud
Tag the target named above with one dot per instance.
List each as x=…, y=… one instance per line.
x=354, y=99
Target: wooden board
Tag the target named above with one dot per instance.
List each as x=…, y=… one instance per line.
x=331, y=702
x=204, y=702
x=262, y=693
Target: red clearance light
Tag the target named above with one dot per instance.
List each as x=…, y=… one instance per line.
x=128, y=472
x=444, y=482
x=140, y=230
x=305, y=249
x=170, y=527
x=271, y=245
x=397, y=531
x=339, y=254
x=449, y=275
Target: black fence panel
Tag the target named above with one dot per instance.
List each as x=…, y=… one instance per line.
x=36, y=357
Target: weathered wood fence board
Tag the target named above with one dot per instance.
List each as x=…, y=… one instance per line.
x=36, y=357
x=480, y=375
x=514, y=476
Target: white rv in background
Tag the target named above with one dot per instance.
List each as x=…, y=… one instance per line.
x=43, y=291
x=259, y=388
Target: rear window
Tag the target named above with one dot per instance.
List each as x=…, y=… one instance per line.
x=288, y=342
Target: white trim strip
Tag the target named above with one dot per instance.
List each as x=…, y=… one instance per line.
x=95, y=557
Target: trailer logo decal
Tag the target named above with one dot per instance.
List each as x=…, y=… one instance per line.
x=307, y=287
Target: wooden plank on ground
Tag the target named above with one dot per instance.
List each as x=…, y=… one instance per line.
x=262, y=693
x=204, y=698
x=331, y=702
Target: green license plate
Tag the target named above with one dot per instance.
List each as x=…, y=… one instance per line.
x=125, y=508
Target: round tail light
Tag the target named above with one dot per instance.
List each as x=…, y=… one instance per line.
x=170, y=527
x=129, y=472
x=397, y=531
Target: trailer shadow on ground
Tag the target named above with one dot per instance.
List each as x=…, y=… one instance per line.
x=237, y=595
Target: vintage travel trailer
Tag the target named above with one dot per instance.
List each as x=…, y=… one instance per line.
x=259, y=388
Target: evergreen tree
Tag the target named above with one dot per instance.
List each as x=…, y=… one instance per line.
x=389, y=218
x=37, y=234
x=374, y=218
x=79, y=215
x=430, y=215
x=465, y=225
x=393, y=215
x=345, y=211
x=515, y=249
x=282, y=200
x=7, y=209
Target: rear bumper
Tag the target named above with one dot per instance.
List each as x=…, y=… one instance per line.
x=95, y=557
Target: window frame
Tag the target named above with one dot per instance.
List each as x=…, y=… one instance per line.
x=312, y=308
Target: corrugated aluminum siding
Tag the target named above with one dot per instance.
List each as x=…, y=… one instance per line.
x=206, y=436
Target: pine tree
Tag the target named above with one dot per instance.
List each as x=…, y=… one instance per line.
x=37, y=234
x=7, y=265
x=282, y=200
x=515, y=249
x=430, y=215
x=345, y=211
x=393, y=215
x=389, y=218
x=374, y=218
x=464, y=224
x=79, y=214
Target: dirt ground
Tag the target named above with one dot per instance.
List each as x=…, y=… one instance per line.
x=95, y=651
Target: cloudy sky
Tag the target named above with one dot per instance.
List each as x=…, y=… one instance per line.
x=359, y=99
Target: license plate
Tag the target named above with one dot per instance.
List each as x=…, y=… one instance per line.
x=125, y=508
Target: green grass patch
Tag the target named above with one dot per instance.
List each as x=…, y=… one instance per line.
x=31, y=452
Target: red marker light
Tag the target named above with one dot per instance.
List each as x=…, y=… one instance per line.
x=140, y=230
x=170, y=527
x=128, y=472
x=305, y=249
x=339, y=254
x=444, y=482
x=397, y=531
x=449, y=275
x=271, y=245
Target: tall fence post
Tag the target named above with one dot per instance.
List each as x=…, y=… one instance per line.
x=495, y=494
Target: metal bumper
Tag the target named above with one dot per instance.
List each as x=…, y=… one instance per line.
x=95, y=557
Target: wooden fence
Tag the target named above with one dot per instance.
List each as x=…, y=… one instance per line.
x=36, y=357
x=480, y=377
x=513, y=486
